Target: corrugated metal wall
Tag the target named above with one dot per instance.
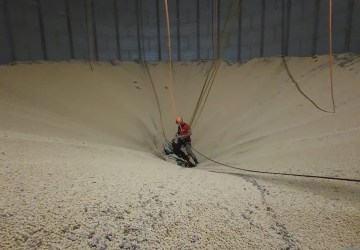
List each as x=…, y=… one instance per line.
x=136, y=29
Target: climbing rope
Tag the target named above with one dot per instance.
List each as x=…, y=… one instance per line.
x=330, y=54
x=214, y=24
x=205, y=93
x=330, y=68
x=298, y=87
x=209, y=82
x=171, y=85
x=147, y=70
x=210, y=78
x=278, y=173
x=157, y=98
x=89, y=33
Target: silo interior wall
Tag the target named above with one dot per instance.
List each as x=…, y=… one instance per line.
x=135, y=30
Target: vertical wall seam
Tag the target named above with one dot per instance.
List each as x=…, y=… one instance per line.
x=178, y=29
x=141, y=31
x=262, y=28
x=287, y=34
x=116, y=17
x=9, y=31
x=94, y=30
x=283, y=27
x=213, y=2
x=158, y=29
x=88, y=31
x=316, y=27
x=218, y=30
x=198, y=28
x=69, y=28
x=138, y=29
x=42, y=31
x=239, y=30
x=348, y=28
x=143, y=41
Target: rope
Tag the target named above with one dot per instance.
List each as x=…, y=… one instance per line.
x=278, y=173
x=207, y=87
x=330, y=54
x=214, y=21
x=330, y=68
x=173, y=102
x=88, y=26
x=298, y=87
x=205, y=93
x=211, y=84
x=157, y=98
x=147, y=70
x=210, y=78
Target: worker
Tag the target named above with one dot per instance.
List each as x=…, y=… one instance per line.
x=183, y=135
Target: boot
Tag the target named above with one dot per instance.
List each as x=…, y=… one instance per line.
x=196, y=161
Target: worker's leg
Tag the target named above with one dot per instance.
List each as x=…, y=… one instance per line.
x=185, y=157
x=190, y=152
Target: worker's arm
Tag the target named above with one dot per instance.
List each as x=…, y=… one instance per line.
x=185, y=135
